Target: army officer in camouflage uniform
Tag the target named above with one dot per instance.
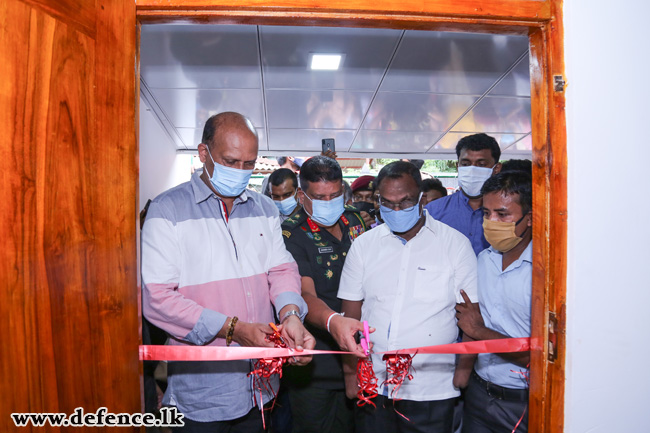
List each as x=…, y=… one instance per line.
x=319, y=237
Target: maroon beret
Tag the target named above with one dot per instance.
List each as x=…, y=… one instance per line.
x=363, y=182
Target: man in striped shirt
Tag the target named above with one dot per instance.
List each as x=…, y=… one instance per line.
x=214, y=266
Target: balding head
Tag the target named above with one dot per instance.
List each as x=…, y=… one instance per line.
x=220, y=125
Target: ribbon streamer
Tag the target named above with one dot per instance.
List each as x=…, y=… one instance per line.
x=367, y=382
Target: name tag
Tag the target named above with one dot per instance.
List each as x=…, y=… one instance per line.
x=325, y=250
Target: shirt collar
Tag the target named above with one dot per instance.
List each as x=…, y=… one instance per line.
x=202, y=192
x=526, y=256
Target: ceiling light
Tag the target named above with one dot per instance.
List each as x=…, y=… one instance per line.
x=325, y=62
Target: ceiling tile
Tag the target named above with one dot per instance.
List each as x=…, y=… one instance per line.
x=307, y=140
x=497, y=115
x=200, y=56
x=455, y=63
x=415, y=112
x=319, y=109
x=190, y=108
x=516, y=83
x=192, y=137
x=450, y=140
x=286, y=56
x=394, y=141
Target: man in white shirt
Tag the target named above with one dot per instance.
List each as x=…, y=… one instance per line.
x=405, y=278
x=496, y=399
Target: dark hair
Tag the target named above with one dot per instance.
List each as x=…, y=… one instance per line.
x=397, y=169
x=479, y=142
x=511, y=183
x=433, y=184
x=282, y=160
x=282, y=174
x=518, y=165
x=347, y=192
x=218, y=121
x=319, y=168
x=417, y=162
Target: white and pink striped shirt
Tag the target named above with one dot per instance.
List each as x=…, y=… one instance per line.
x=200, y=266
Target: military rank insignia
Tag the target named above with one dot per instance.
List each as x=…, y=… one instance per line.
x=355, y=232
x=286, y=233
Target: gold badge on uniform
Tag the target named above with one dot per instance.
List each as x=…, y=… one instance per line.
x=286, y=233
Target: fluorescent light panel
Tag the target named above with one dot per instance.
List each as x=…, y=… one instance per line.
x=325, y=62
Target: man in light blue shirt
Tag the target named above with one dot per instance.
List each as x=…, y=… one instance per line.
x=496, y=399
x=478, y=159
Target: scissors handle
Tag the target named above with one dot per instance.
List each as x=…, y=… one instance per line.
x=366, y=338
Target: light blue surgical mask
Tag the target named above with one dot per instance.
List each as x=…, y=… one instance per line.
x=228, y=181
x=401, y=221
x=326, y=212
x=287, y=205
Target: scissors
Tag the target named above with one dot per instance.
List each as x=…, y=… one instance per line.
x=277, y=333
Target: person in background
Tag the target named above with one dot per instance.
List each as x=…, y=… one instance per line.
x=518, y=165
x=319, y=237
x=283, y=184
x=288, y=162
x=497, y=394
x=405, y=278
x=432, y=189
x=478, y=159
x=362, y=200
x=419, y=163
x=213, y=269
x=347, y=194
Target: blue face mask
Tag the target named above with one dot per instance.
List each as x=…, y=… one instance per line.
x=400, y=221
x=326, y=212
x=228, y=181
x=287, y=205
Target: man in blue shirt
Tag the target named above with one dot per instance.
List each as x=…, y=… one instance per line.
x=478, y=159
x=496, y=398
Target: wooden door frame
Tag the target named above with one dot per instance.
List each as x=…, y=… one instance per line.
x=541, y=21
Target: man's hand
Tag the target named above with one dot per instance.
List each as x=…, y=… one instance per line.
x=329, y=154
x=343, y=330
x=367, y=219
x=469, y=317
x=461, y=378
x=298, y=338
x=252, y=334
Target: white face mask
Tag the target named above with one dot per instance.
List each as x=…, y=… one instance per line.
x=472, y=178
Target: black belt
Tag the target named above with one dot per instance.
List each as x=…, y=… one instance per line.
x=501, y=392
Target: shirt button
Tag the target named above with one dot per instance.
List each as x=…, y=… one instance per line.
x=345, y=254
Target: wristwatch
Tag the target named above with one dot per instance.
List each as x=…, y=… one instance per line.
x=290, y=313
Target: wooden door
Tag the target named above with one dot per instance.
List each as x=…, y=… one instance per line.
x=68, y=161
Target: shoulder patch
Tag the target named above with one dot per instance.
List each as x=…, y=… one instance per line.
x=286, y=233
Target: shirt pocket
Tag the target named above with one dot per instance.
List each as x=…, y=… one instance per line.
x=431, y=285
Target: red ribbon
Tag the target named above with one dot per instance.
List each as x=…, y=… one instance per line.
x=221, y=353
x=367, y=382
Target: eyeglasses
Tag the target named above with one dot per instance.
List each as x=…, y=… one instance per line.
x=406, y=204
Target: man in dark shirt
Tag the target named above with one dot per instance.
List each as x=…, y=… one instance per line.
x=478, y=160
x=319, y=237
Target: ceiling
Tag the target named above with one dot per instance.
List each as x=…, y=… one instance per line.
x=398, y=92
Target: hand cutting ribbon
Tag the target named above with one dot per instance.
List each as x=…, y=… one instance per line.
x=264, y=368
x=366, y=379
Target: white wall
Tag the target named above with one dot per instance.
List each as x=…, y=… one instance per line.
x=608, y=287
x=160, y=166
